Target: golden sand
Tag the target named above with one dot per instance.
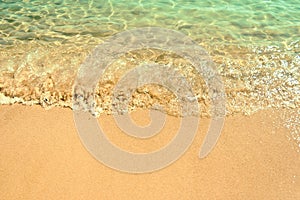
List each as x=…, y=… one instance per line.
x=43, y=158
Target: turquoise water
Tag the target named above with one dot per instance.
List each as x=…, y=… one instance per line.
x=240, y=22
x=254, y=44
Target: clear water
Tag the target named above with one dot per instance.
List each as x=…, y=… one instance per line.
x=241, y=22
x=255, y=44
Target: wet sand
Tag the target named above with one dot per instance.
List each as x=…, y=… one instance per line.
x=42, y=157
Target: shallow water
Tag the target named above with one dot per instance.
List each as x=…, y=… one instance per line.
x=65, y=21
x=255, y=45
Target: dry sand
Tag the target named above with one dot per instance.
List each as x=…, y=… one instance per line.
x=41, y=157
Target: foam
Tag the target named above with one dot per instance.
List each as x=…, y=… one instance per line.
x=255, y=78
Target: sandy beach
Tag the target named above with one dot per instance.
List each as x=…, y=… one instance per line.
x=235, y=58
x=42, y=157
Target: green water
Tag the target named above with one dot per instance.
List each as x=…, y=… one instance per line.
x=241, y=22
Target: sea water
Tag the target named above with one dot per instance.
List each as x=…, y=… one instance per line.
x=255, y=46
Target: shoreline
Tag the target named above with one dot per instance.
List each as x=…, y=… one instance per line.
x=254, y=78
